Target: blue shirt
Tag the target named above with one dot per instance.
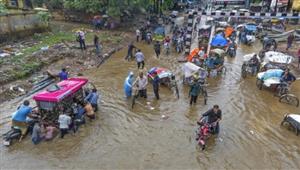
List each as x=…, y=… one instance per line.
x=92, y=98
x=63, y=75
x=22, y=113
x=156, y=82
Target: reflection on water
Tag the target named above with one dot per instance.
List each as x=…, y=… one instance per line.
x=122, y=138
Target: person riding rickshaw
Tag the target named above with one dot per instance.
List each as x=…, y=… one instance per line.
x=248, y=33
x=215, y=62
x=279, y=80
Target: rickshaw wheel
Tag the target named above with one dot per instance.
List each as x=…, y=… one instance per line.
x=259, y=84
x=205, y=97
x=177, y=91
x=224, y=70
x=289, y=99
x=244, y=72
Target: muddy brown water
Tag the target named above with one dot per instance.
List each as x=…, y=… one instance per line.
x=123, y=138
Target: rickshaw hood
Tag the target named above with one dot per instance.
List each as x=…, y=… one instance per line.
x=67, y=87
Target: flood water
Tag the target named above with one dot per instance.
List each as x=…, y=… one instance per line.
x=123, y=138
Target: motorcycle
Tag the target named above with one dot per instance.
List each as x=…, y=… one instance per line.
x=12, y=134
x=204, y=131
x=15, y=132
x=231, y=51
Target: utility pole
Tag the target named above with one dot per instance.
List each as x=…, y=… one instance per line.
x=276, y=6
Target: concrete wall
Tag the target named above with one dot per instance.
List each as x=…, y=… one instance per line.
x=17, y=25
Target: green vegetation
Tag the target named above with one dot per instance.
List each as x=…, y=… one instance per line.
x=3, y=9
x=44, y=16
x=113, y=8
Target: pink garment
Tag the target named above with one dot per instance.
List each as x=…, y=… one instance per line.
x=49, y=132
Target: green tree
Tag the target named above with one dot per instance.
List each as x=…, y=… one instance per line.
x=3, y=9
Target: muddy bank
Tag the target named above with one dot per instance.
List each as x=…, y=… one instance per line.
x=51, y=52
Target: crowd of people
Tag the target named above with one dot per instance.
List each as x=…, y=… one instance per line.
x=31, y=122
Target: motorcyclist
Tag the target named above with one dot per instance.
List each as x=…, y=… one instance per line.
x=231, y=45
x=254, y=63
x=212, y=117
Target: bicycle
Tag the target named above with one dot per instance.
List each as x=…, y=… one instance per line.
x=284, y=95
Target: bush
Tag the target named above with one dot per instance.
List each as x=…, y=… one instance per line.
x=44, y=16
x=3, y=9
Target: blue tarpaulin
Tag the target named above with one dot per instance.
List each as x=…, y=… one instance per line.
x=160, y=31
x=219, y=40
x=251, y=27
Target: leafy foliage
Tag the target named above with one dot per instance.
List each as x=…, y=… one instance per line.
x=112, y=7
x=3, y=9
x=44, y=16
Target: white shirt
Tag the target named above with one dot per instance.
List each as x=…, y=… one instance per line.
x=82, y=35
x=64, y=121
x=138, y=32
x=142, y=82
x=139, y=56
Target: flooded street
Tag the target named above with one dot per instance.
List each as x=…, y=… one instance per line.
x=123, y=138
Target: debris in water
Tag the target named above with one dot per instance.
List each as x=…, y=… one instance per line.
x=148, y=103
x=252, y=132
x=45, y=48
x=152, y=108
x=164, y=117
x=220, y=139
x=2, y=55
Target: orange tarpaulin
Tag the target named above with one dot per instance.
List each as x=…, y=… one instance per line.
x=192, y=54
x=228, y=31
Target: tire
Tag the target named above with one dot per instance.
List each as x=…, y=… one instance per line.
x=224, y=70
x=177, y=91
x=259, y=84
x=244, y=71
x=289, y=99
x=205, y=97
x=282, y=122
